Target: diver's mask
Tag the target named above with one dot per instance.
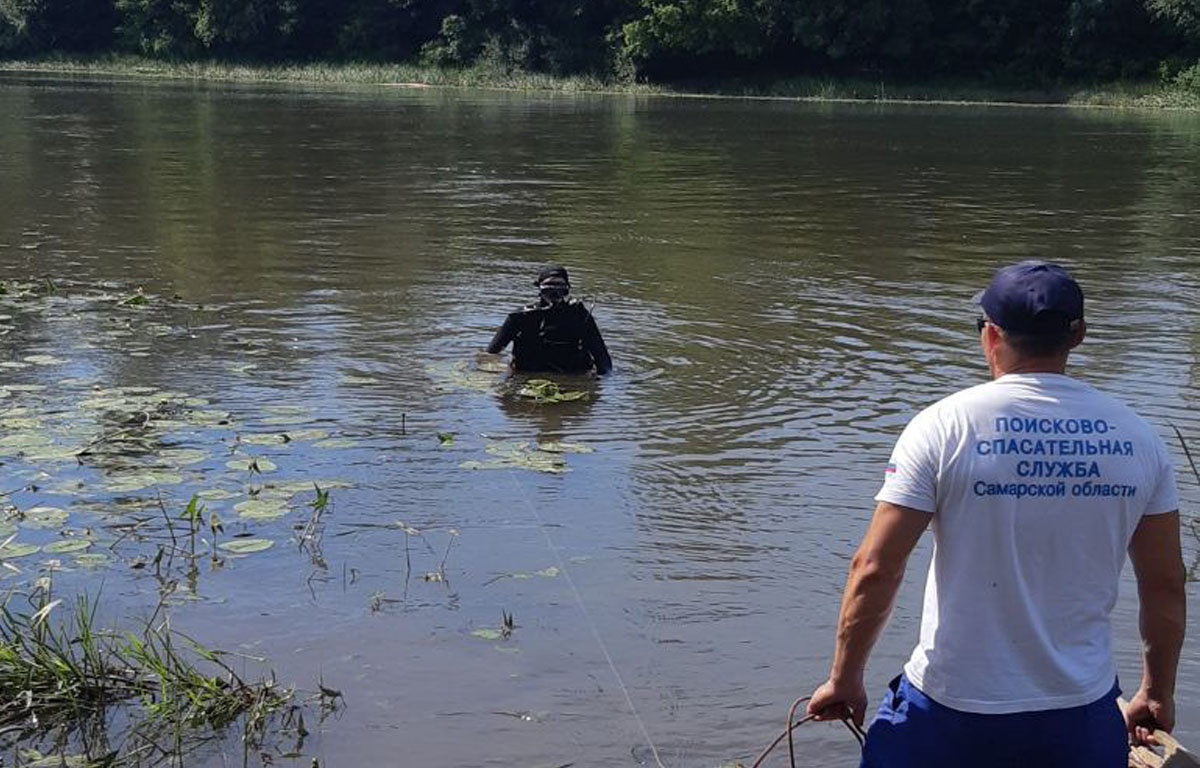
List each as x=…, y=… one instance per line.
x=554, y=290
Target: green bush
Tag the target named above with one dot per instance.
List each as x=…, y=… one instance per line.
x=1189, y=79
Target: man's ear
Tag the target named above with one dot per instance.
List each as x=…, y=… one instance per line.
x=1078, y=331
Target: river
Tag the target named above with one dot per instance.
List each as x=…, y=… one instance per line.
x=781, y=284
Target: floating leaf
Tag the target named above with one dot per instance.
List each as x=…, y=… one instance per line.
x=23, y=442
x=136, y=300
x=45, y=517
x=557, y=447
x=261, y=509
x=15, y=423
x=35, y=759
x=337, y=442
x=507, y=448
x=182, y=457
x=287, y=410
x=65, y=546
x=546, y=391
x=492, y=366
x=209, y=418
x=306, y=434
x=93, y=560
x=257, y=464
x=141, y=481
x=488, y=634
x=274, y=438
x=246, y=546
x=51, y=453
x=548, y=573
x=446, y=438
x=15, y=549
x=217, y=494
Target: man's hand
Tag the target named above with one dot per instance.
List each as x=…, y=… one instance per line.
x=1147, y=713
x=837, y=700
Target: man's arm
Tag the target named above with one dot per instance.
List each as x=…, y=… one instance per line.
x=594, y=343
x=1158, y=564
x=875, y=575
x=503, y=336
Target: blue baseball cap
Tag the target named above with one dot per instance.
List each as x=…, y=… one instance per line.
x=1033, y=297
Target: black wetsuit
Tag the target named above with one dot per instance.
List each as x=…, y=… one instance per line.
x=556, y=338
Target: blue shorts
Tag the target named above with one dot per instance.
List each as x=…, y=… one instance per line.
x=912, y=730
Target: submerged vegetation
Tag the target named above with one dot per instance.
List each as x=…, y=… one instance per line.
x=124, y=698
x=157, y=482
x=109, y=470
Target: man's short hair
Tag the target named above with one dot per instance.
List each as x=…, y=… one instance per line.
x=1040, y=344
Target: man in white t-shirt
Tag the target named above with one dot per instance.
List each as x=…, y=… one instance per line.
x=1036, y=485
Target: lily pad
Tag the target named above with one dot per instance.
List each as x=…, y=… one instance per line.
x=66, y=545
x=22, y=442
x=93, y=560
x=256, y=463
x=15, y=549
x=209, y=418
x=287, y=410
x=518, y=455
x=141, y=481
x=217, y=494
x=487, y=634
x=45, y=517
x=299, y=435
x=337, y=442
x=261, y=509
x=559, y=447
x=270, y=438
x=182, y=457
x=547, y=391
x=245, y=546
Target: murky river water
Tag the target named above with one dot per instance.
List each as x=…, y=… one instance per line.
x=781, y=285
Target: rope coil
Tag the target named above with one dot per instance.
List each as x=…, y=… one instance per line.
x=792, y=724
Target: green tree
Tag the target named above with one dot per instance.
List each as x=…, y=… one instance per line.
x=1182, y=14
x=56, y=25
x=164, y=28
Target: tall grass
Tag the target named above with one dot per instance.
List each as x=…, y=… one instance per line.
x=121, y=698
x=489, y=73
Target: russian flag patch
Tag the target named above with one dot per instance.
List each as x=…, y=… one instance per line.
x=890, y=469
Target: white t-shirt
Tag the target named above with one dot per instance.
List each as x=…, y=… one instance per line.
x=1036, y=483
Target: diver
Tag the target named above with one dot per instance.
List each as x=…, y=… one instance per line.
x=556, y=334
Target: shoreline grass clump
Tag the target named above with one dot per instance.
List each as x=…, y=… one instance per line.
x=1163, y=93
x=121, y=698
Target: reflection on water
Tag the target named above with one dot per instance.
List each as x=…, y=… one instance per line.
x=782, y=285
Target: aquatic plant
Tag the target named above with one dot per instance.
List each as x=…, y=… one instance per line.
x=121, y=698
x=546, y=391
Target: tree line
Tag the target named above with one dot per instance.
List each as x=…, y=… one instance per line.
x=1002, y=41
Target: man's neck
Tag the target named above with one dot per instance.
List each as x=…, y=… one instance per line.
x=1005, y=367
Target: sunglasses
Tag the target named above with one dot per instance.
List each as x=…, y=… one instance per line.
x=980, y=324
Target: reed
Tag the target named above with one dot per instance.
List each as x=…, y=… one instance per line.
x=121, y=698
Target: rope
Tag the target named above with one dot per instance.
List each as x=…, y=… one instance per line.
x=792, y=724
x=562, y=567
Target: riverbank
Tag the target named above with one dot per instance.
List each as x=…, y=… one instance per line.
x=1142, y=95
